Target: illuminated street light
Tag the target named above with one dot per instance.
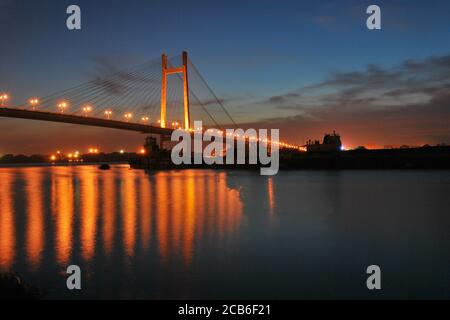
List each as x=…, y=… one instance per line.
x=62, y=106
x=145, y=119
x=3, y=98
x=108, y=114
x=86, y=110
x=128, y=116
x=34, y=102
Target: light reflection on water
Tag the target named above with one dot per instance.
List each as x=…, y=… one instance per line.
x=7, y=225
x=82, y=212
x=217, y=234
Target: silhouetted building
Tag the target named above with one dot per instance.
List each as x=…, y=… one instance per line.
x=331, y=142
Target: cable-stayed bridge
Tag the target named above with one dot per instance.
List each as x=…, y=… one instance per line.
x=155, y=97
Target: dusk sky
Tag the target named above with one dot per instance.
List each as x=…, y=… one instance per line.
x=306, y=67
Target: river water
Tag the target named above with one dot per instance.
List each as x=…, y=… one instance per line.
x=226, y=234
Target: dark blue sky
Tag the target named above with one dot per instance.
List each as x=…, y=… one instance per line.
x=249, y=51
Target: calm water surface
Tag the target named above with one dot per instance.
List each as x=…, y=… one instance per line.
x=216, y=234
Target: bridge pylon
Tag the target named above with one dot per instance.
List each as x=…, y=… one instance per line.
x=165, y=72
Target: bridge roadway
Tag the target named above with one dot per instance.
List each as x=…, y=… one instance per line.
x=81, y=120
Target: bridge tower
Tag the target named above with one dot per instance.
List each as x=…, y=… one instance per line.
x=165, y=72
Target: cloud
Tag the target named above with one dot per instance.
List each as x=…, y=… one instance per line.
x=408, y=102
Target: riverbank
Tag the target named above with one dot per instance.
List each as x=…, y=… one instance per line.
x=412, y=158
x=59, y=164
x=12, y=287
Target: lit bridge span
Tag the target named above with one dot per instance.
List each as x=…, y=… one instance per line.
x=156, y=97
x=82, y=120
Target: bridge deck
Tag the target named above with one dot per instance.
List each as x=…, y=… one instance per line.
x=81, y=120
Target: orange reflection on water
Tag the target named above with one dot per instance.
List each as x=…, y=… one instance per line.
x=7, y=227
x=35, y=219
x=190, y=217
x=62, y=199
x=129, y=210
x=177, y=212
x=162, y=212
x=118, y=207
x=146, y=198
x=193, y=205
x=88, y=200
x=109, y=214
x=270, y=194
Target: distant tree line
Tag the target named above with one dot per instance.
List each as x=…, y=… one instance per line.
x=38, y=158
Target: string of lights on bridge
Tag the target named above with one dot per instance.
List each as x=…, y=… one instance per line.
x=128, y=116
x=140, y=90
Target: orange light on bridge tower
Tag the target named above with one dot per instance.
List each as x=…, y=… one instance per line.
x=165, y=72
x=176, y=125
x=34, y=102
